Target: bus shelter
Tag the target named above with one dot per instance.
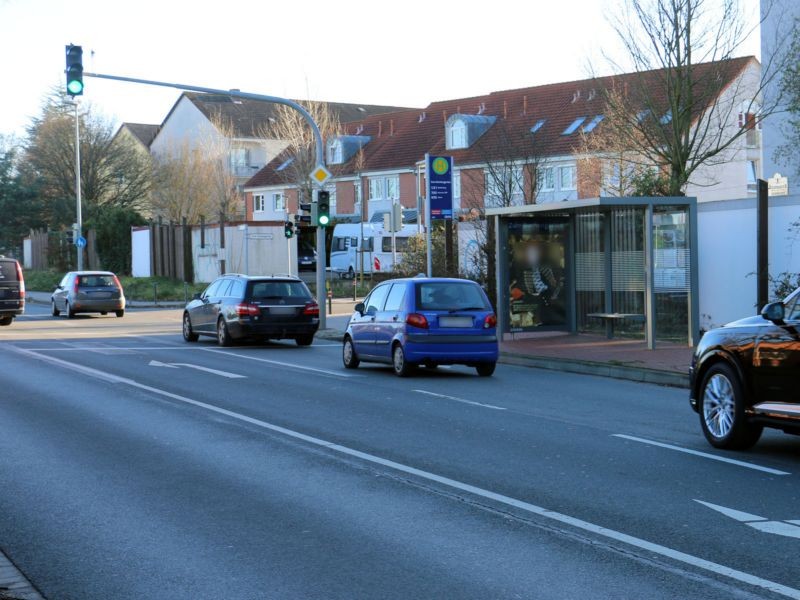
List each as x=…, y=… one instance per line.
x=615, y=266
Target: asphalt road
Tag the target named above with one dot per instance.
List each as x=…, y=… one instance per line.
x=135, y=465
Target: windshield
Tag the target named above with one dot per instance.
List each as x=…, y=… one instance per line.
x=449, y=295
x=279, y=290
x=96, y=281
x=8, y=270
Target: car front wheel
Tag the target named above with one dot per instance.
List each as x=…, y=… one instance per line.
x=188, y=333
x=5, y=321
x=304, y=340
x=722, y=410
x=53, y=310
x=349, y=357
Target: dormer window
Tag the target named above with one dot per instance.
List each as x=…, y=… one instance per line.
x=574, y=126
x=335, y=153
x=457, y=135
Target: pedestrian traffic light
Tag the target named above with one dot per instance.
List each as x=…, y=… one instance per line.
x=323, y=208
x=288, y=229
x=74, y=70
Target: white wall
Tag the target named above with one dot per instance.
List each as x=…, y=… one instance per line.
x=140, y=252
x=186, y=124
x=727, y=255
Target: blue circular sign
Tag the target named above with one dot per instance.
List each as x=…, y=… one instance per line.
x=80, y=242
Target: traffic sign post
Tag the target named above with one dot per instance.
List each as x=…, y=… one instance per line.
x=438, y=196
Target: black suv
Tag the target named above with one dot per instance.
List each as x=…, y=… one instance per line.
x=12, y=290
x=746, y=376
x=237, y=307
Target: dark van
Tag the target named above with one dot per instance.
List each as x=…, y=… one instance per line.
x=12, y=290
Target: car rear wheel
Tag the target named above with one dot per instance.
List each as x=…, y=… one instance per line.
x=722, y=410
x=119, y=313
x=188, y=334
x=103, y=313
x=349, y=357
x=70, y=313
x=53, y=310
x=485, y=369
x=223, y=336
x=6, y=321
x=304, y=340
x=402, y=368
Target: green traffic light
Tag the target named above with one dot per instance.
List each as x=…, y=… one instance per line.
x=75, y=87
x=324, y=220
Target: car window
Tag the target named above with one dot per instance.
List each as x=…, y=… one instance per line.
x=213, y=288
x=65, y=281
x=96, y=281
x=450, y=295
x=224, y=289
x=279, y=290
x=394, y=302
x=237, y=289
x=8, y=270
x=793, y=309
x=368, y=244
x=376, y=299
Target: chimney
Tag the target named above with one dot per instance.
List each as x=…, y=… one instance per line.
x=444, y=115
x=380, y=128
x=391, y=127
x=505, y=109
x=524, y=105
x=458, y=109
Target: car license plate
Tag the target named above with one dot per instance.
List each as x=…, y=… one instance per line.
x=100, y=294
x=455, y=321
x=282, y=310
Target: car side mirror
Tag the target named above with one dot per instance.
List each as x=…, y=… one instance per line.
x=774, y=311
x=196, y=296
x=58, y=287
x=359, y=308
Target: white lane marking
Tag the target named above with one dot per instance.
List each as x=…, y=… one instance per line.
x=783, y=528
x=229, y=375
x=462, y=400
x=279, y=363
x=730, y=461
x=599, y=530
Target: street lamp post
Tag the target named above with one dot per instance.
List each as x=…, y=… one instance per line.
x=78, y=212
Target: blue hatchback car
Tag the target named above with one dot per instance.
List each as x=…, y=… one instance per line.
x=423, y=321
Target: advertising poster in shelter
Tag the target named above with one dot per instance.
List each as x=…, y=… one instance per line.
x=537, y=274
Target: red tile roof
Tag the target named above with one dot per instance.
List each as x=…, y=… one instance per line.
x=400, y=139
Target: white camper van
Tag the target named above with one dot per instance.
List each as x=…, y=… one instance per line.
x=375, y=247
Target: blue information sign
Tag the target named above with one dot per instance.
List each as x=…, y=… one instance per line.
x=80, y=242
x=440, y=186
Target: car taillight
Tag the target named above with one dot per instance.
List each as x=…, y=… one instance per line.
x=312, y=308
x=118, y=284
x=490, y=321
x=76, y=284
x=247, y=309
x=417, y=320
x=21, y=280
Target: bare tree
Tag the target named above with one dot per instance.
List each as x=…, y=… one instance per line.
x=679, y=111
x=113, y=172
x=292, y=128
x=183, y=186
x=217, y=150
x=513, y=166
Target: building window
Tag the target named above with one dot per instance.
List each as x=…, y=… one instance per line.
x=335, y=153
x=259, y=202
x=504, y=185
x=456, y=190
x=592, y=124
x=752, y=176
x=376, y=188
x=240, y=158
x=393, y=188
x=666, y=118
x=545, y=179
x=457, y=135
x=574, y=126
x=567, y=177
x=384, y=188
x=278, y=202
x=538, y=125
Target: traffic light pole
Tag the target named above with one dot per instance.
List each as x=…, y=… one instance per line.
x=78, y=212
x=318, y=143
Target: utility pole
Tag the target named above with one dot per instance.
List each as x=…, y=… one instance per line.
x=78, y=212
x=318, y=145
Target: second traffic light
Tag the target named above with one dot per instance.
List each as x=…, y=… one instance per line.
x=321, y=210
x=74, y=70
x=288, y=229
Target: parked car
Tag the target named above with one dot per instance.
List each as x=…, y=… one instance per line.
x=306, y=257
x=423, y=321
x=236, y=307
x=746, y=376
x=88, y=292
x=12, y=290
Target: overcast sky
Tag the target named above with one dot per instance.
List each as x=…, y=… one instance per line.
x=397, y=52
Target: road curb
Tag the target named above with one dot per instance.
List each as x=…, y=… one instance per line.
x=601, y=369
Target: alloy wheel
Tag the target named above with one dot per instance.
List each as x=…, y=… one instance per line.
x=719, y=405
